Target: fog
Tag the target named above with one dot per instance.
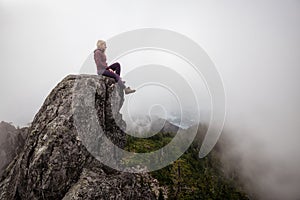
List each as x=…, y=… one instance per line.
x=254, y=45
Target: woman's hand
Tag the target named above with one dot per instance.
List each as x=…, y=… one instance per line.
x=111, y=70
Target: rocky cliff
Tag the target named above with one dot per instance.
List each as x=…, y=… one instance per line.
x=11, y=143
x=55, y=163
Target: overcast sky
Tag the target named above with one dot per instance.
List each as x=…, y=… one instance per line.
x=254, y=45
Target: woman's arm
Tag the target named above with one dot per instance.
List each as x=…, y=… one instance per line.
x=100, y=60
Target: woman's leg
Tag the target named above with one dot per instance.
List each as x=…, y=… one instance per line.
x=115, y=76
x=116, y=67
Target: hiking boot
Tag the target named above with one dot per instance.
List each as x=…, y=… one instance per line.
x=128, y=90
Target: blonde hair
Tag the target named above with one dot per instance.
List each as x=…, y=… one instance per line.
x=99, y=44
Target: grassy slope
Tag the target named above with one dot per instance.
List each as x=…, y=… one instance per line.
x=189, y=177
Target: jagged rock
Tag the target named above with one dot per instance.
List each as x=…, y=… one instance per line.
x=55, y=163
x=93, y=185
x=11, y=142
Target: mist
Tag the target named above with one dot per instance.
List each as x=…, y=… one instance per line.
x=254, y=45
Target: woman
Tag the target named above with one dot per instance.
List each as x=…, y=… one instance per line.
x=113, y=70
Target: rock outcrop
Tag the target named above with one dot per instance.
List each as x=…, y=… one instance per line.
x=55, y=162
x=11, y=143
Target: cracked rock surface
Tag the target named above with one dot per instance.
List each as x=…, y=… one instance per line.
x=56, y=163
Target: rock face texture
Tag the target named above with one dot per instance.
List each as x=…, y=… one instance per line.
x=11, y=143
x=56, y=162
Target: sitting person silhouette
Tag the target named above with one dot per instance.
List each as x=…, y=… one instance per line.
x=112, y=71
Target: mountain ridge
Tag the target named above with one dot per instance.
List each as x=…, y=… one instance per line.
x=57, y=162
x=11, y=143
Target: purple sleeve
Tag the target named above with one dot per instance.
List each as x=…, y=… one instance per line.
x=100, y=60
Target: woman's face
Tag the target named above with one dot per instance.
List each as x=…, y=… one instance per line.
x=103, y=46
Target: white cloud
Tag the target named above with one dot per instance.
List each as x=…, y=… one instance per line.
x=255, y=46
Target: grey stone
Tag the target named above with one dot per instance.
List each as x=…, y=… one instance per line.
x=11, y=143
x=55, y=163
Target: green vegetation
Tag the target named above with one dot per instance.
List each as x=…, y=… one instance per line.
x=189, y=177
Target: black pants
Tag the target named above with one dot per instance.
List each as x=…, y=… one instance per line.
x=117, y=68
